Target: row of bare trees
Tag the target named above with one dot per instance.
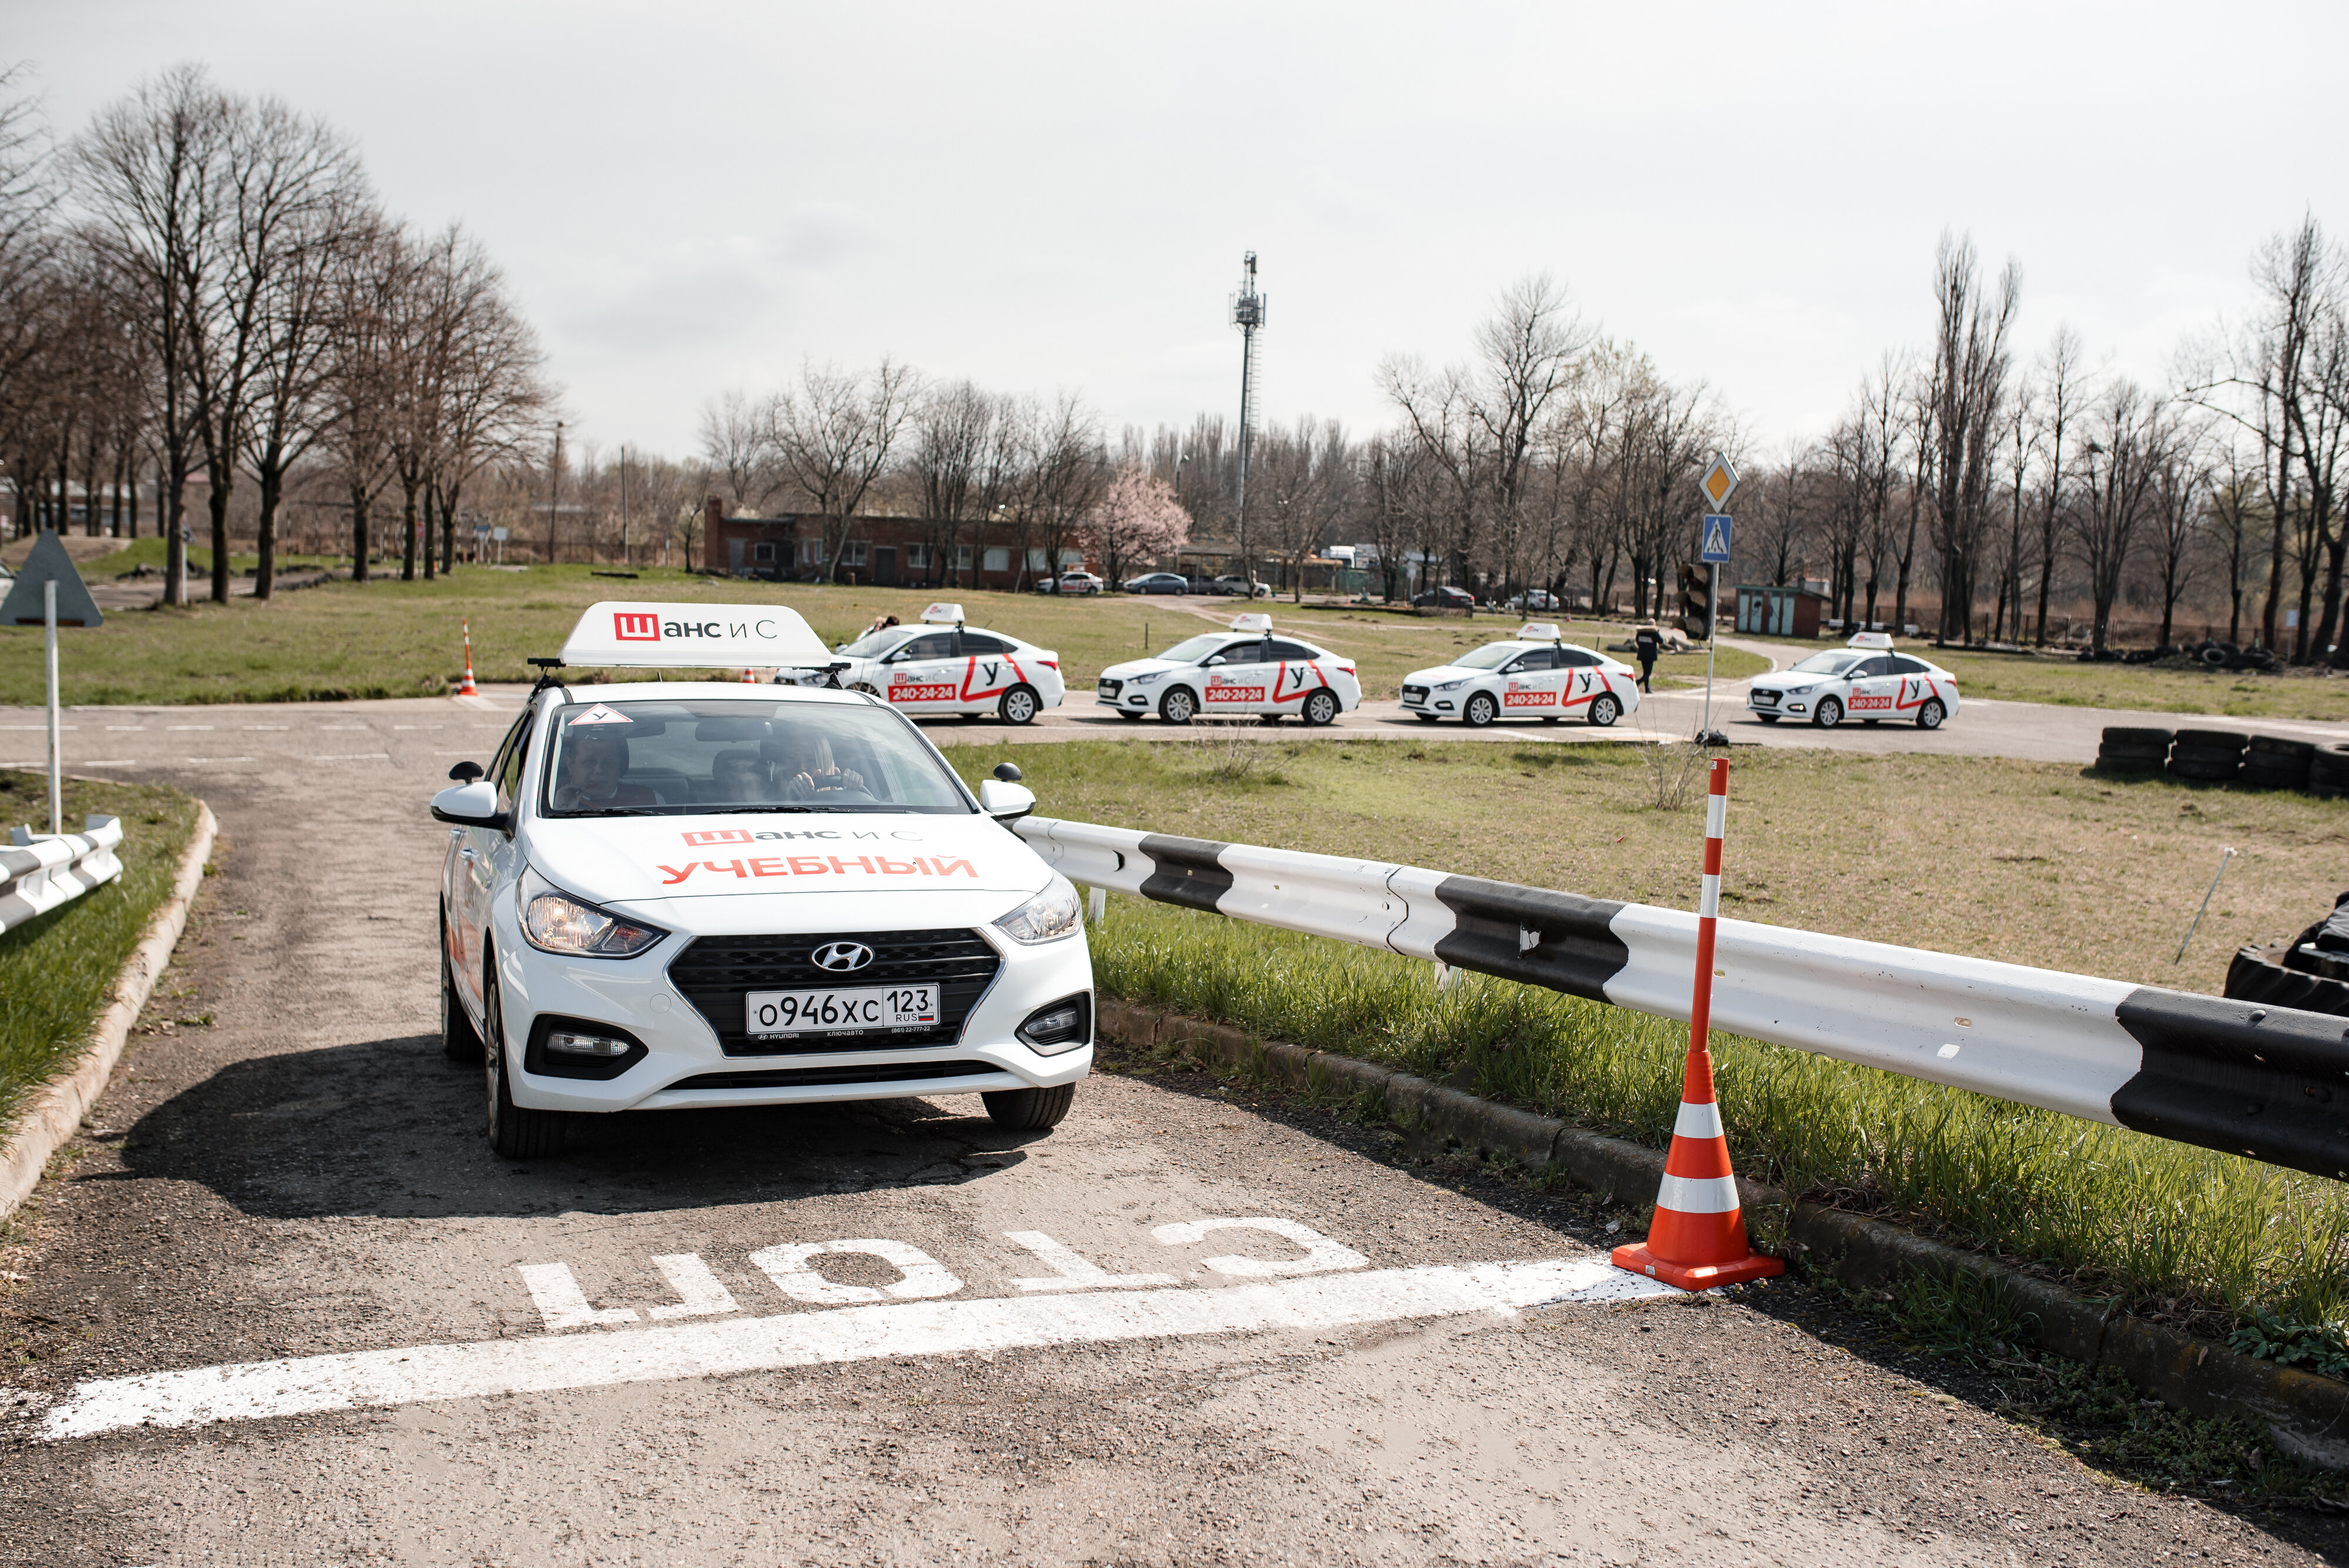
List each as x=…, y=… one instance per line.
x=202, y=288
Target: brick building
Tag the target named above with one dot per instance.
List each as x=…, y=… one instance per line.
x=888, y=552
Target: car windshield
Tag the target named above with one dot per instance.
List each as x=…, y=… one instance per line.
x=874, y=644
x=1828, y=663
x=718, y=758
x=1492, y=656
x=1192, y=649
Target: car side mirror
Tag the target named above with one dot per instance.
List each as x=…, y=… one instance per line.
x=1009, y=773
x=465, y=773
x=1211, y=661
x=471, y=804
x=1007, y=802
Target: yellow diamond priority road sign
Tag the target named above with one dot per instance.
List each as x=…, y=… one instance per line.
x=1719, y=481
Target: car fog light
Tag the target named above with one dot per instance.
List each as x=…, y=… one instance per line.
x=1794, y=707
x=1444, y=704
x=566, y=1043
x=1062, y=1027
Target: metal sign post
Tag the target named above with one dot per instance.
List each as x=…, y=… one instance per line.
x=57, y=758
x=1713, y=549
x=49, y=593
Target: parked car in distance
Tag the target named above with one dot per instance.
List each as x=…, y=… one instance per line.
x=1444, y=598
x=1157, y=583
x=1070, y=583
x=1534, y=600
x=1239, y=588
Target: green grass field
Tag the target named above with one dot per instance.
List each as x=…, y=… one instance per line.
x=391, y=639
x=2032, y=863
x=2024, y=677
x=57, y=972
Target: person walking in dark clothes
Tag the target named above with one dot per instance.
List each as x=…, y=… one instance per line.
x=1651, y=643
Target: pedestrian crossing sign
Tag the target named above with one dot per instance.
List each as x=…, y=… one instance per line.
x=1717, y=530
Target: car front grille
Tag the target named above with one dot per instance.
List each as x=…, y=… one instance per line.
x=1109, y=688
x=1766, y=698
x=1414, y=694
x=790, y=1077
x=714, y=973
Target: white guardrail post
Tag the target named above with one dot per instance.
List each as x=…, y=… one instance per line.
x=2269, y=1082
x=40, y=871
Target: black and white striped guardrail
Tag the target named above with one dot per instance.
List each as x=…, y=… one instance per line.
x=37, y=874
x=2268, y=1082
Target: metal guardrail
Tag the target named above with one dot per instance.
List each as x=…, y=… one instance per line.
x=2269, y=1082
x=39, y=872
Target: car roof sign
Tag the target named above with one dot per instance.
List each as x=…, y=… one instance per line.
x=1541, y=631
x=1256, y=622
x=942, y=614
x=619, y=635
x=1871, y=639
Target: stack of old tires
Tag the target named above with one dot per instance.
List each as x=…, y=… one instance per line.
x=2328, y=772
x=2208, y=756
x=2273, y=762
x=2126, y=750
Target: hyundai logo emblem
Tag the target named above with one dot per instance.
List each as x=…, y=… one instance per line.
x=841, y=957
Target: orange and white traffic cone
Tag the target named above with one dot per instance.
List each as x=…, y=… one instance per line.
x=750, y=678
x=466, y=688
x=1698, y=1239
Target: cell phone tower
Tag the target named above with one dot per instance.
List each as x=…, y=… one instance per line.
x=1247, y=315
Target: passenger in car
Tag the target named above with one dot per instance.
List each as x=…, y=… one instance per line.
x=594, y=764
x=739, y=776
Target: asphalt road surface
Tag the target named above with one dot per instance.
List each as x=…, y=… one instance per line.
x=283, y=1306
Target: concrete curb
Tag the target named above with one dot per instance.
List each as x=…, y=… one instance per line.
x=2307, y=1414
x=57, y=1111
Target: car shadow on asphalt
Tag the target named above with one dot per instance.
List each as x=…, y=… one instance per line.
x=392, y=1129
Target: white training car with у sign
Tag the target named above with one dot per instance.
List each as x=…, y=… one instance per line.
x=1867, y=680
x=1537, y=675
x=677, y=894
x=1247, y=670
x=943, y=667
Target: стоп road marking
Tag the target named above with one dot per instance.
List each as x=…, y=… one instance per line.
x=258, y=1390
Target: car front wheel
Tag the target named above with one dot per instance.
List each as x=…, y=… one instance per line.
x=1018, y=706
x=1321, y=707
x=1178, y=706
x=516, y=1132
x=1828, y=714
x=1481, y=710
x=1029, y=1110
x=1931, y=716
x=1767, y=718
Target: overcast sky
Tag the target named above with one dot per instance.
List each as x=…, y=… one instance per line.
x=689, y=197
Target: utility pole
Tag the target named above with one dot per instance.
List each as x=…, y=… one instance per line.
x=624, y=505
x=1247, y=315
x=553, y=490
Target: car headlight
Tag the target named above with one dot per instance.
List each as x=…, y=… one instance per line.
x=1054, y=913
x=1145, y=680
x=557, y=922
x=1797, y=691
x=1451, y=685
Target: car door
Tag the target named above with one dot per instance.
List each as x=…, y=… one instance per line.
x=1532, y=684
x=1238, y=680
x=924, y=674
x=1294, y=675
x=1872, y=685
x=1582, y=676
x=989, y=667
x=486, y=858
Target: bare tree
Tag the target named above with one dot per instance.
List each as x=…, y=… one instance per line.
x=2131, y=438
x=2182, y=509
x=833, y=435
x=953, y=434
x=2061, y=386
x=1967, y=391
x=149, y=173
x=735, y=435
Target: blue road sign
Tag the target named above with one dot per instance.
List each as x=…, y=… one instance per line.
x=1717, y=528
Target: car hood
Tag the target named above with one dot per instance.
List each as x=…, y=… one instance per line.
x=1133, y=667
x=627, y=859
x=1786, y=679
x=1444, y=672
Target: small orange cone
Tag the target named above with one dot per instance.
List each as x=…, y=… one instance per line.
x=749, y=679
x=466, y=688
x=1698, y=1237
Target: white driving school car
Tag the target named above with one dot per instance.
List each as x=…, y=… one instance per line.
x=689, y=893
x=1867, y=680
x=945, y=667
x=1536, y=676
x=1247, y=670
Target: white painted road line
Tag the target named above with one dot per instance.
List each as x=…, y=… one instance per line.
x=259, y=1390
